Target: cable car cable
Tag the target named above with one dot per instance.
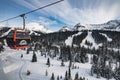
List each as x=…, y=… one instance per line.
x=22, y=15
x=18, y=42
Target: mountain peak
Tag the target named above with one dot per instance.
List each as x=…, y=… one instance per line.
x=65, y=28
x=79, y=26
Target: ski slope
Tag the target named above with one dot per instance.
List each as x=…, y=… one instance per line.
x=108, y=39
x=90, y=39
x=69, y=41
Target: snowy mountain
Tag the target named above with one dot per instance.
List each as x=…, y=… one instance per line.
x=34, y=26
x=89, y=40
x=79, y=27
x=65, y=28
x=113, y=25
x=36, y=33
x=84, y=38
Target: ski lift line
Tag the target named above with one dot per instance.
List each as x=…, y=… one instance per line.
x=9, y=19
x=44, y=6
x=22, y=15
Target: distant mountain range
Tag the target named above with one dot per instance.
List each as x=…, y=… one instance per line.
x=33, y=28
x=93, y=35
x=36, y=28
x=113, y=25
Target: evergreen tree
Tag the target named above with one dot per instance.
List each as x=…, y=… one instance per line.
x=52, y=77
x=109, y=73
x=98, y=72
x=28, y=72
x=66, y=76
x=83, y=78
x=48, y=62
x=1, y=47
x=76, y=76
x=92, y=70
x=62, y=63
x=73, y=66
x=21, y=55
x=69, y=74
x=117, y=74
x=46, y=73
x=28, y=51
x=34, y=57
x=58, y=78
x=80, y=78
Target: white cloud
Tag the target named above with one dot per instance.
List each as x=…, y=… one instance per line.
x=37, y=27
x=46, y=21
x=50, y=24
x=90, y=15
x=1, y=24
x=96, y=13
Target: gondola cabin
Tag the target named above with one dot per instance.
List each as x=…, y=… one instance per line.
x=18, y=39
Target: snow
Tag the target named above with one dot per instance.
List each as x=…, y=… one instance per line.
x=37, y=27
x=32, y=32
x=90, y=39
x=10, y=68
x=108, y=39
x=65, y=29
x=14, y=67
x=6, y=33
x=111, y=25
x=69, y=41
x=5, y=42
x=2, y=75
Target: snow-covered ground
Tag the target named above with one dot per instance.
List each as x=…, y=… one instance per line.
x=13, y=67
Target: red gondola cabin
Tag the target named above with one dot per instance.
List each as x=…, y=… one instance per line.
x=18, y=39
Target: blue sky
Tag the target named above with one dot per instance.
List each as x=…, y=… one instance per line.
x=68, y=12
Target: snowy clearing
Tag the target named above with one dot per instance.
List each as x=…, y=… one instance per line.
x=13, y=67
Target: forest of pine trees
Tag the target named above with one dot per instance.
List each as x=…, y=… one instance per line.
x=102, y=59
